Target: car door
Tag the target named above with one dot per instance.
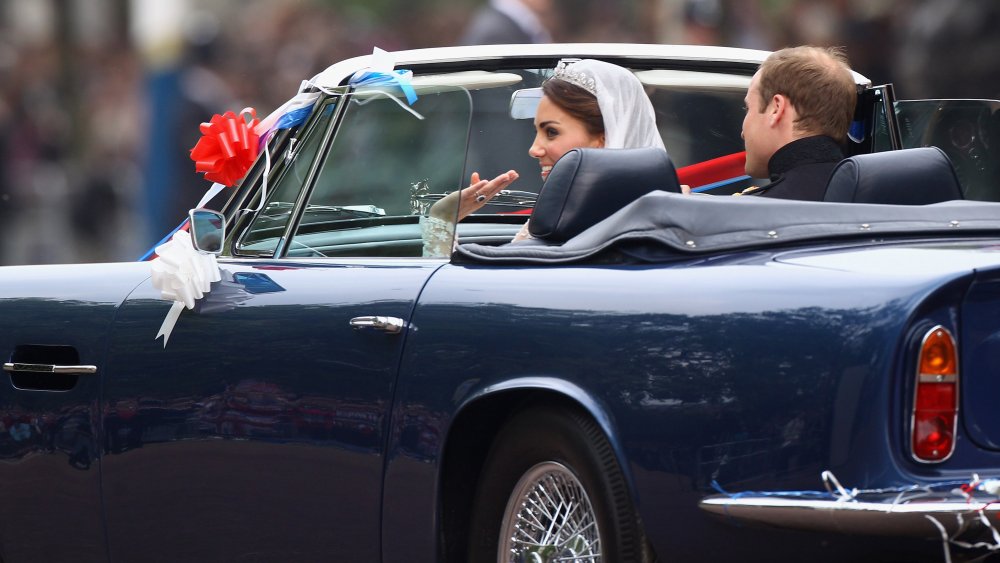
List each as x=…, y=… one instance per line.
x=50, y=504
x=258, y=429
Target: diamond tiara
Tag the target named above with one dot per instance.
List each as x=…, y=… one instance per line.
x=563, y=72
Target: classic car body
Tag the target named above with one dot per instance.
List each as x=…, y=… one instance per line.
x=339, y=397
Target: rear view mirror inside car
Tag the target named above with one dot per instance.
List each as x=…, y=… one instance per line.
x=524, y=103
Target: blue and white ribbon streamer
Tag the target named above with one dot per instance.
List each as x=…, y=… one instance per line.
x=289, y=114
x=382, y=74
x=398, y=78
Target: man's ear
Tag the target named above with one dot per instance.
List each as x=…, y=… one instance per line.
x=777, y=109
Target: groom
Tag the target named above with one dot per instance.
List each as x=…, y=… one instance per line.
x=799, y=108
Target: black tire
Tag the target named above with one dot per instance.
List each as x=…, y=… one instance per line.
x=561, y=449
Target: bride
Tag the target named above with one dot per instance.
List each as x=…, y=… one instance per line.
x=585, y=104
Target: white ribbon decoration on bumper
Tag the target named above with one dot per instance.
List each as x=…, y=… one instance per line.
x=183, y=275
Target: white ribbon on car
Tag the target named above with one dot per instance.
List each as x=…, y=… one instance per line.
x=183, y=275
x=211, y=193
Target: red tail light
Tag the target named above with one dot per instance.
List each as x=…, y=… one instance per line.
x=935, y=403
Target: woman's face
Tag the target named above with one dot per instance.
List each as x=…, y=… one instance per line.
x=556, y=133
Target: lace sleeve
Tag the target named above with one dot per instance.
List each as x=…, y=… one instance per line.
x=439, y=237
x=523, y=234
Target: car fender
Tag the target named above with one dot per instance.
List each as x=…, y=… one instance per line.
x=564, y=389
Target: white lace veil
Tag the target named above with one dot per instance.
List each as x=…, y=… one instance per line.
x=629, y=119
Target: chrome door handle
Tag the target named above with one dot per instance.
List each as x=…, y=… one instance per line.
x=50, y=368
x=389, y=325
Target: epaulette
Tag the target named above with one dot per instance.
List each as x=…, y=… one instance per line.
x=751, y=190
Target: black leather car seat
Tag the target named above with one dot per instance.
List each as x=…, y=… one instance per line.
x=903, y=177
x=587, y=186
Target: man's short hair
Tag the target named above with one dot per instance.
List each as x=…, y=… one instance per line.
x=818, y=82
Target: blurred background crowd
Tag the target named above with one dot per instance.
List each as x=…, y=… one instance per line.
x=100, y=100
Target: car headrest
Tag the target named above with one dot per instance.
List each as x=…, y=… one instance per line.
x=586, y=186
x=902, y=177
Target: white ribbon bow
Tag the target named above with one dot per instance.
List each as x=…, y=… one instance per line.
x=183, y=275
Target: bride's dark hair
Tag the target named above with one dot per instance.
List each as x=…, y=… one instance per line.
x=577, y=102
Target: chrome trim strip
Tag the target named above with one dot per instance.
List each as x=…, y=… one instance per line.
x=933, y=378
x=50, y=368
x=944, y=507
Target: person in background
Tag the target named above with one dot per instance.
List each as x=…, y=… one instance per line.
x=510, y=21
x=799, y=108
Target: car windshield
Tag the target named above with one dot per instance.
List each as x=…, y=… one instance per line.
x=362, y=172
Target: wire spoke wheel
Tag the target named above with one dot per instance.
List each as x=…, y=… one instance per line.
x=551, y=491
x=549, y=518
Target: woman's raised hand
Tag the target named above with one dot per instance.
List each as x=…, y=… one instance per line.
x=472, y=198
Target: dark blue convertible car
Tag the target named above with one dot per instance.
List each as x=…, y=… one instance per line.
x=686, y=378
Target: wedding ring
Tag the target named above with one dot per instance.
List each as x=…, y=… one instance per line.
x=480, y=198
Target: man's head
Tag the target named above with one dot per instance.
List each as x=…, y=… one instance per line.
x=797, y=92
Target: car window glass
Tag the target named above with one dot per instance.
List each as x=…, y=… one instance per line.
x=291, y=170
x=499, y=143
x=700, y=118
x=362, y=203
x=699, y=114
x=968, y=131
x=698, y=125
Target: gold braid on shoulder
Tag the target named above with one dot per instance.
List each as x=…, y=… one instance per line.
x=750, y=190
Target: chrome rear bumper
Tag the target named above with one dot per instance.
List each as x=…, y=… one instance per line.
x=889, y=517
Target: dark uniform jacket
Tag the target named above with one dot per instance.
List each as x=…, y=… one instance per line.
x=801, y=169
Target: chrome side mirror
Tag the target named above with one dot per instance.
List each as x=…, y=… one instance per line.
x=524, y=103
x=208, y=230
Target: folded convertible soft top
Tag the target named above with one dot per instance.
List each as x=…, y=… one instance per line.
x=662, y=226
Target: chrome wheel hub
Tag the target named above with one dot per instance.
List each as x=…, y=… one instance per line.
x=549, y=518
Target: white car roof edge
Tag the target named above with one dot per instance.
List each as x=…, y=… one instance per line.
x=335, y=74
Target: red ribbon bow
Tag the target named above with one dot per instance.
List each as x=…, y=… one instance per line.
x=228, y=147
